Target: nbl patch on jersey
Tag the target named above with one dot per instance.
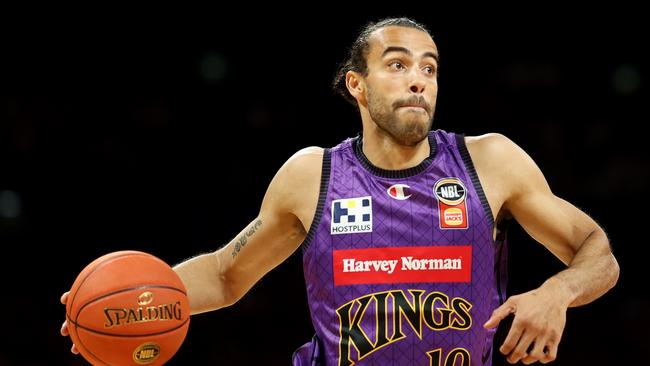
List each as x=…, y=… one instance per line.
x=351, y=215
x=452, y=206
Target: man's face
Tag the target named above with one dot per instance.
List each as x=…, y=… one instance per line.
x=402, y=82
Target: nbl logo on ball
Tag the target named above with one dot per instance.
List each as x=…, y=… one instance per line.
x=146, y=353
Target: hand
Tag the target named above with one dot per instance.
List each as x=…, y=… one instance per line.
x=540, y=316
x=64, y=327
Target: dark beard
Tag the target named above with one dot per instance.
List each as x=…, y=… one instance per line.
x=407, y=132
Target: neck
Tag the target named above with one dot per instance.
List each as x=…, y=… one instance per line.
x=385, y=153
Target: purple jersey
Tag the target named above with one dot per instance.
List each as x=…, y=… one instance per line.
x=400, y=266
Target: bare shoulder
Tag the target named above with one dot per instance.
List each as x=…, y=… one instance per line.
x=301, y=167
x=307, y=157
x=304, y=165
x=296, y=186
x=493, y=144
x=498, y=153
x=504, y=169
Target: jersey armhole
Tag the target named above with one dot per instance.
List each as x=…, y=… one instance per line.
x=322, y=196
x=501, y=253
x=469, y=166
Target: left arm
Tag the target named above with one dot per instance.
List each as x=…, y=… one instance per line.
x=570, y=234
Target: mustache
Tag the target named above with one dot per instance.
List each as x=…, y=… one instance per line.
x=415, y=100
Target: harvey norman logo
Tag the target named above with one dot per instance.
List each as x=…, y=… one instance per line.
x=403, y=264
x=352, y=215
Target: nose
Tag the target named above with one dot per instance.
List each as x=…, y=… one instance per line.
x=417, y=88
x=417, y=84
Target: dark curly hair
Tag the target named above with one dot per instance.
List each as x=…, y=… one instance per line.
x=357, y=56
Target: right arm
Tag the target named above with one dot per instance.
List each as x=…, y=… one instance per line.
x=218, y=279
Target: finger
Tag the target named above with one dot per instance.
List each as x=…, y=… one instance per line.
x=74, y=349
x=64, y=329
x=64, y=297
x=499, y=314
x=550, y=351
x=537, y=353
x=521, y=350
x=512, y=339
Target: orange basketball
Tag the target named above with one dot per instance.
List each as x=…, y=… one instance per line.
x=128, y=308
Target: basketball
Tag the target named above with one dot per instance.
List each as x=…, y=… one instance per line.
x=128, y=308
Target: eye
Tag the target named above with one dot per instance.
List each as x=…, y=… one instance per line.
x=429, y=70
x=396, y=65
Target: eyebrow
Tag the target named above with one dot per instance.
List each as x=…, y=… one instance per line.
x=408, y=52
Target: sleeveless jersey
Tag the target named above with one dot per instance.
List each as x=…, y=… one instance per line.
x=400, y=266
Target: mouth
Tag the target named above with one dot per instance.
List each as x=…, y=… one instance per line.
x=414, y=107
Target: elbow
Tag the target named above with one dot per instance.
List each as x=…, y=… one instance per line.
x=225, y=293
x=212, y=295
x=232, y=288
x=615, y=270
x=229, y=295
x=611, y=269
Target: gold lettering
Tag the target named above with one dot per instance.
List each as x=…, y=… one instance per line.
x=152, y=316
x=123, y=316
x=177, y=307
x=132, y=317
x=436, y=310
x=167, y=312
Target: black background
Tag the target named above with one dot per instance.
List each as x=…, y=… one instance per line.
x=120, y=131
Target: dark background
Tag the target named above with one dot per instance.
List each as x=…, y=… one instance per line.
x=161, y=133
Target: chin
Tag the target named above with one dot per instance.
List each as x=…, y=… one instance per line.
x=414, y=140
x=412, y=137
x=414, y=133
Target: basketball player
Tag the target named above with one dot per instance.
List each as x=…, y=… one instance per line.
x=403, y=258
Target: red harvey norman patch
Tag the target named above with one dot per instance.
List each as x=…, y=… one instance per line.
x=403, y=264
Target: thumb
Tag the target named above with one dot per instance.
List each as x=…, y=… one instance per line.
x=64, y=297
x=499, y=313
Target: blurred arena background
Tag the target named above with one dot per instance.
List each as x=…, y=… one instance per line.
x=161, y=134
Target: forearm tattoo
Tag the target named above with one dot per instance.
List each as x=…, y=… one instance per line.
x=244, y=238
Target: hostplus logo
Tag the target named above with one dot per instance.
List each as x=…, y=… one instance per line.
x=352, y=215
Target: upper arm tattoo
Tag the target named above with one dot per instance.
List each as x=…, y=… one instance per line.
x=244, y=238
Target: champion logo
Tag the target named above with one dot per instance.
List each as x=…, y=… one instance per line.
x=399, y=191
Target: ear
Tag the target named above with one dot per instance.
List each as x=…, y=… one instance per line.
x=356, y=85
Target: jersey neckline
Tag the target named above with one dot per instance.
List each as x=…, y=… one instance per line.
x=357, y=147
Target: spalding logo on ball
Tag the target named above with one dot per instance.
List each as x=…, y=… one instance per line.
x=128, y=308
